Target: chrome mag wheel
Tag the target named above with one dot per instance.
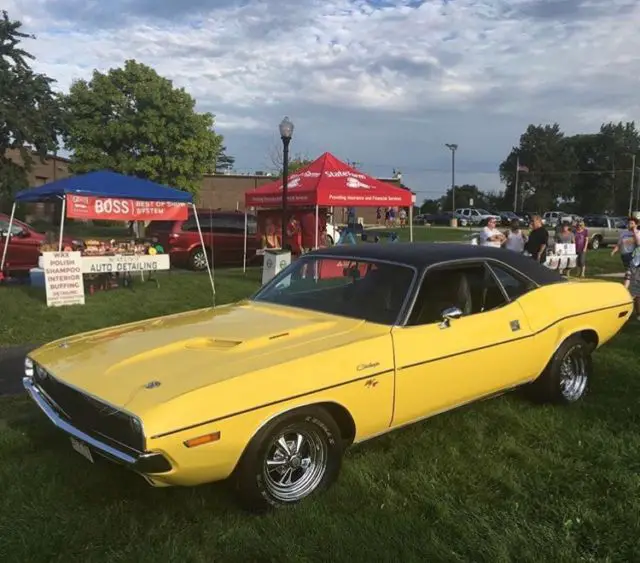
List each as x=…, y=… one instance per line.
x=574, y=374
x=199, y=260
x=294, y=465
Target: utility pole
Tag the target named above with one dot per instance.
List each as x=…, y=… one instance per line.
x=515, y=188
x=453, y=148
x=632, y=186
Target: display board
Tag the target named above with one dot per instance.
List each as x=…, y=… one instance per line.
x=124, y=264
x=63, y=278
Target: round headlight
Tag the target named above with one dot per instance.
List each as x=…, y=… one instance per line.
x=136, y=424
x=41, y=373
x=28, y=367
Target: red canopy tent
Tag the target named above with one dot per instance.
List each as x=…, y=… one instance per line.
x=329, y=182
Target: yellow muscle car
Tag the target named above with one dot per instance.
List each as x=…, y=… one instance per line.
x=345, y=344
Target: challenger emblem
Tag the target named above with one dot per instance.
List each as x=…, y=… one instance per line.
x=371, y=383
x=362, y=367
x=152, y=385
x=63, y=345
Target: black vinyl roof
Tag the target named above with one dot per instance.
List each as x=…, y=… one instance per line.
x=421, y=255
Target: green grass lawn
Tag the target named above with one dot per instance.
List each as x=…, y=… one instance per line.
x=31, y=321
x=27, y=319
x=501, y=480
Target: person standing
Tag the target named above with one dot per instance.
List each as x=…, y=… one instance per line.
x=565, y=236
x=628, y=241
x=402, y=215
x=581, y=237
x=538, y=240
x=634, y=279
x=516, y=239
x=490, y=235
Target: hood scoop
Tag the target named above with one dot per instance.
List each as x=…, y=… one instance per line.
x=211, y=344
x=204, y=344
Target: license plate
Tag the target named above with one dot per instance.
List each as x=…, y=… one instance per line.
x=82, y=449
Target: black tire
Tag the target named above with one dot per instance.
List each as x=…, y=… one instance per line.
x=596, y=242
x=556, y=384
x=258, y=488
x=197, y=260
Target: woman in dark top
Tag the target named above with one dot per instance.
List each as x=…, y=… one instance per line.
x=538, y=240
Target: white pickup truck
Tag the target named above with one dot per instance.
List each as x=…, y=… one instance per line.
x=475, y=216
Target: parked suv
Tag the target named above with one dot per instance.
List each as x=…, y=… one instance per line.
x=222, y=232
x=24, y=245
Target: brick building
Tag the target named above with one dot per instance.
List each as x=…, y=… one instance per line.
x=224, y=191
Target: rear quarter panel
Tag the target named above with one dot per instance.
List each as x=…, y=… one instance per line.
x=557, y=311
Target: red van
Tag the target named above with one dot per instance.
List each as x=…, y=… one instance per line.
x=222, y=231
x=24, y=247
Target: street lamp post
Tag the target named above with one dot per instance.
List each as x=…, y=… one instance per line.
x=632, y=186
x=286, y=131
x=453, y=148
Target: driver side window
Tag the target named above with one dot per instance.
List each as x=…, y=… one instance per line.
x=472, y=288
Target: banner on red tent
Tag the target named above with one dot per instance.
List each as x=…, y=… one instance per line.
x=118, y=209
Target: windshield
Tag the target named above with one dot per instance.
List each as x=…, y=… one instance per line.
x=369, y=290
x=483, y=212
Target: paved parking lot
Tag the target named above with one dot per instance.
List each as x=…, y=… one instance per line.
x=12, y=368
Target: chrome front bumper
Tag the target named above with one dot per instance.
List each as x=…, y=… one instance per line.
x=147, y=463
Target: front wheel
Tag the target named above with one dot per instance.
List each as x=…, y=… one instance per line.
x=596, y=243
x=289, y=459
x=566, y=378
x=198, y=260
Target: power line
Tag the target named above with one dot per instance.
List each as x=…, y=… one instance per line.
x=472, y=171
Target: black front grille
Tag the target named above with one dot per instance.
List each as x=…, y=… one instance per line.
x=92, y=416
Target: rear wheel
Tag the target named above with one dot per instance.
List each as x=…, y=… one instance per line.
x=566, y=378
x=198, y=260
x=291, y=458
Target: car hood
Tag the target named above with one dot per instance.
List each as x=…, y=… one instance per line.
x=181, y=353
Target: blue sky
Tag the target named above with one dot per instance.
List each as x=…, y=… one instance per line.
x=382, y=82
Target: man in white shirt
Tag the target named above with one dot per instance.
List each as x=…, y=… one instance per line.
x=490, y=236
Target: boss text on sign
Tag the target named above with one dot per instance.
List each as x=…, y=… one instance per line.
x=90, y=207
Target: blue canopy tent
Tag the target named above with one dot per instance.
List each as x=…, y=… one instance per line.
x=104, y=183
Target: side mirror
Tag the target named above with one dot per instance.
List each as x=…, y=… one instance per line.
x=24, y=233
x=448, y=315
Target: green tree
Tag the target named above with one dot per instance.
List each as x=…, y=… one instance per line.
x=618, y=142
x=224, y=162
x=298, y=162
x=133, y=121
x=430, y=206
x=464, y=195
x=29, y=110
x=551, y=165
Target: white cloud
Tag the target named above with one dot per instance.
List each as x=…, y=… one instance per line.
x=383, y=83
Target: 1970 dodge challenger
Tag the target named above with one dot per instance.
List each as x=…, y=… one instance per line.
x=345, y=344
